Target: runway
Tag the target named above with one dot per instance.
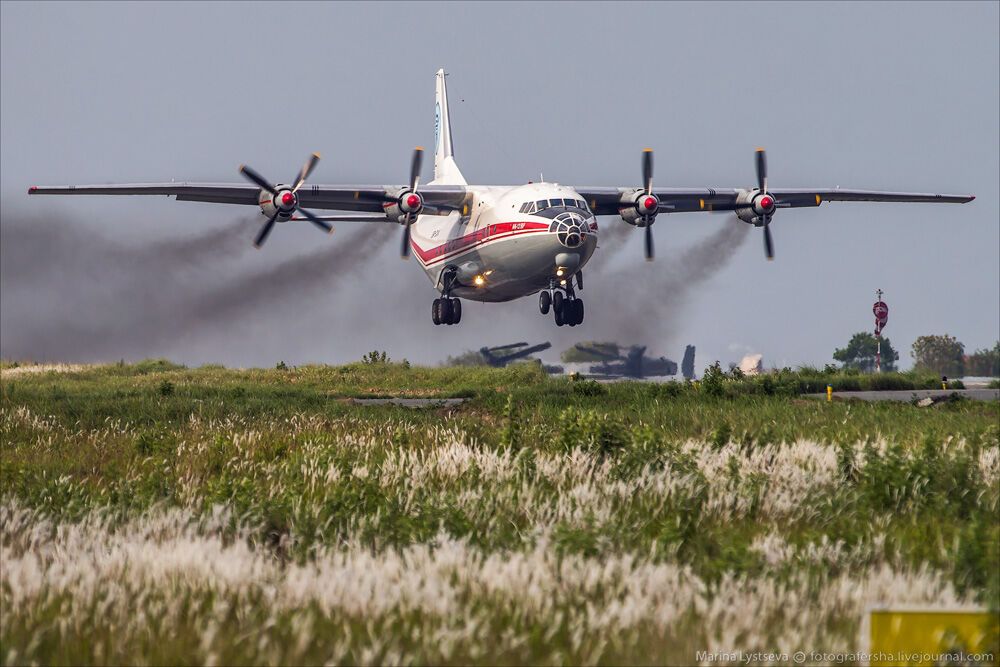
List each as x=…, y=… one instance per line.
x=906, y=396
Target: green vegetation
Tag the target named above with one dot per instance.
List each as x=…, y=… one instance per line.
x=585, y=351
x=860, y=353
x=158, y=514
x=943, y=355
x=984, y=363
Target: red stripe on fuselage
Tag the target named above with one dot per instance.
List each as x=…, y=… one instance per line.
x=476, y=238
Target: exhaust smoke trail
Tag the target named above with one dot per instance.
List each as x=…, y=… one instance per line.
x=73, y=295
x=293, y=279
x=644, y=303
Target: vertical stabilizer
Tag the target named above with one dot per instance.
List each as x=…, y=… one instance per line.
x=446, y=172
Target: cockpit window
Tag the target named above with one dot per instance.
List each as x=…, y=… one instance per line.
x=582, y=204
x=541, y=205
x=524, y=208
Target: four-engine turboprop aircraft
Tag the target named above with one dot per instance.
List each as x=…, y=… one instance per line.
x=496, y=243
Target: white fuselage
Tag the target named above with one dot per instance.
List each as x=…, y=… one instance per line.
x=510, y=241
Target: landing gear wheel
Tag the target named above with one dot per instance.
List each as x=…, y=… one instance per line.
x=445, y=311
x=436, y=311
x=559, y=311
x=456, y=311
x=544, y=302
x=579, y=311
x=557, y=301
x=571, y=310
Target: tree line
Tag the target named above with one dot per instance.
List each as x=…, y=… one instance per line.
x=941, y=354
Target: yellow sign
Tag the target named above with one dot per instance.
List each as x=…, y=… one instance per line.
x=932, y=637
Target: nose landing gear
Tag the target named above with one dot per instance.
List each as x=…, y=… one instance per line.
x=565, y=305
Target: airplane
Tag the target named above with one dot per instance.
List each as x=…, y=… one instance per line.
x=493, y=243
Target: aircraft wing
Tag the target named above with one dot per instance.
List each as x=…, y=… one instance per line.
x=608, y=200
x=364, y=198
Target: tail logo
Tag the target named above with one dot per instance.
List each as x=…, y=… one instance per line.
x=437, y=126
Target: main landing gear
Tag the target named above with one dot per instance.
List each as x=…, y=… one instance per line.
x=563, y=302
x=447, y=309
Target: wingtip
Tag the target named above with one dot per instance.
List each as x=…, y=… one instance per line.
x=759, y=149
x=647, y=150
x=32, y=189
x=419, y=148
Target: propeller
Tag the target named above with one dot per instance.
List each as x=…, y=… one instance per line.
x=284, y=200
x=649, y=202
x=764, y=203
x=410, y=201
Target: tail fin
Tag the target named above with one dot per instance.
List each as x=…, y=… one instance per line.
x=446, y=172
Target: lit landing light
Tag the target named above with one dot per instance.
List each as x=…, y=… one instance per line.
x=559, y=272
x=479, y=280
x=562, y=282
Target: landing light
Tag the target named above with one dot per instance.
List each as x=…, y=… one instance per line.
x=479, y=281
x=559, y=272
x=562, y=282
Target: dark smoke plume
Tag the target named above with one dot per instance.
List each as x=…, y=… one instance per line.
x=644, y=303
x=76, y=296
x=293, y=279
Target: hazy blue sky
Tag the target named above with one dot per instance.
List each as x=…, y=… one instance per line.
x=890, y=96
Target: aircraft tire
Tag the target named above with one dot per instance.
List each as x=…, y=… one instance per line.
x=560, y=312
x=456, y=311
x=544, y=302
x=579, y=311
x=445, y=310
x=557, y=301
x=436, y=311
x=572, y=314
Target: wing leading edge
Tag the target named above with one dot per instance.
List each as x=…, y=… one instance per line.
x=608, y=201
x=362, y=198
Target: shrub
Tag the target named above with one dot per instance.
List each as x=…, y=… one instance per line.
x=375, y=357
x=589, y=429
x=713, y=382
x=589, y=388
x=166, y=388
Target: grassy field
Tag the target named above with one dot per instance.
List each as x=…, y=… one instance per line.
x=155, y=514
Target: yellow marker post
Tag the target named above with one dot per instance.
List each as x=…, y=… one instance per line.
x=829, y=393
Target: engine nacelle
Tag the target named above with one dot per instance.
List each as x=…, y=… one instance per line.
x=639, y=209
x=283, y=203
x=406, y=202
x=752, y=205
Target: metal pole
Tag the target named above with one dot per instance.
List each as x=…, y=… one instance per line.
x=878, y=338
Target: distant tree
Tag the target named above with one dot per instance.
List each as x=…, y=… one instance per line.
x=984, y=363
x=860, y=353
x=469, y=358
x=942, y=354
x=575, y=354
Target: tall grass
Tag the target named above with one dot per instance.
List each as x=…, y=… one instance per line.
x=255, y=516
